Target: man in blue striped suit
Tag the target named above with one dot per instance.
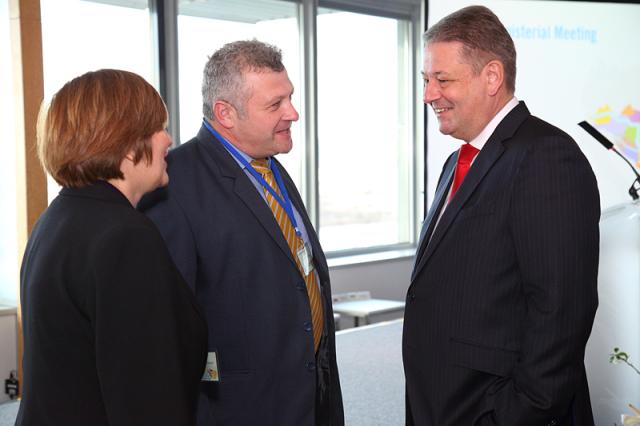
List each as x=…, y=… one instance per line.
x=503, y=291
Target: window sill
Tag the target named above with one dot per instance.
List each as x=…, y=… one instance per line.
x=377, y=257
x=7, y=310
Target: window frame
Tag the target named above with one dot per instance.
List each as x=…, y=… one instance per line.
x=164, y=15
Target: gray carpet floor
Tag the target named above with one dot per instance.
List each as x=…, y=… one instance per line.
x=8, y=413
x=371, y=376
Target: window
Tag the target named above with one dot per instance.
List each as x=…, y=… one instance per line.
x=8, y=242
x=364, y=131
x=203, y=28
x=80, y=36
x=360, y=93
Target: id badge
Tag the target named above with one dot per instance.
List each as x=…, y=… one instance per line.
x=304, y=256
x=211, y=369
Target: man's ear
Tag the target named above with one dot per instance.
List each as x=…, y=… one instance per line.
x=225, y=114
x=494, y=72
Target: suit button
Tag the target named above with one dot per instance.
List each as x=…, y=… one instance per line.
x=311, y=366
x=301, y=286
x=412, y=296
x=553, y=422
x=307, y=326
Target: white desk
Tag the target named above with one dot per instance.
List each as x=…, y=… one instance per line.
x=364, y=308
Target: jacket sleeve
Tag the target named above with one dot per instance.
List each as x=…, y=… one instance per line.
x=149, y=347
x=167, y=214
x=554, y=225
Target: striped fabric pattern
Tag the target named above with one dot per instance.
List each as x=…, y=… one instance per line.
x=295, y=243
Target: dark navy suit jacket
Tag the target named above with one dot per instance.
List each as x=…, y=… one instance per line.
x=225, y=241
x=503, y=292
x=112, y=334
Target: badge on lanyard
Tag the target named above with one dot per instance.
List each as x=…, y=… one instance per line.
x=211, y=369
x=304, y=256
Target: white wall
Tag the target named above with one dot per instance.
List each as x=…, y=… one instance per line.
x=8, y=342
x=617, y=322
x=387, y=279
x=565, y=81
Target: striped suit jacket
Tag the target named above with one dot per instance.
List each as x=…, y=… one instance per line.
x=504, y=288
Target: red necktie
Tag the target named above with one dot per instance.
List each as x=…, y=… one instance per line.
x=465, y=157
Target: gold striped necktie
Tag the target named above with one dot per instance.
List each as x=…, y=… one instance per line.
x=295, y=244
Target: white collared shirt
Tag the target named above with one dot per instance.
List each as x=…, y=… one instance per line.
x=480, y=141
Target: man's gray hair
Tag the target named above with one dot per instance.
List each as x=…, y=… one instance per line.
x=223, y=78
x=483, y=37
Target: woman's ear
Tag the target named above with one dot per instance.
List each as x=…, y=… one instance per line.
x=127, y=164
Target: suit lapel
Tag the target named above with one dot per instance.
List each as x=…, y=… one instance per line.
x=436, y=207
x=485, y=160
x=244, y=189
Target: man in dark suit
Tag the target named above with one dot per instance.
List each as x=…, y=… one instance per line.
x=238, y=231
x=503, y=292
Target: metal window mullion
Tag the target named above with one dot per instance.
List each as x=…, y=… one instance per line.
x=405, y=147
x=164, y=27
x=387, y=9
x=416, y=115
x=420, y=114
x=425, y=137
x=308, y=34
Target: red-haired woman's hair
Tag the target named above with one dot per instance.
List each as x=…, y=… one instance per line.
x=94, y=122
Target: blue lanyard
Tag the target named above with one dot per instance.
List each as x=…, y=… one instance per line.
x=286, y=202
